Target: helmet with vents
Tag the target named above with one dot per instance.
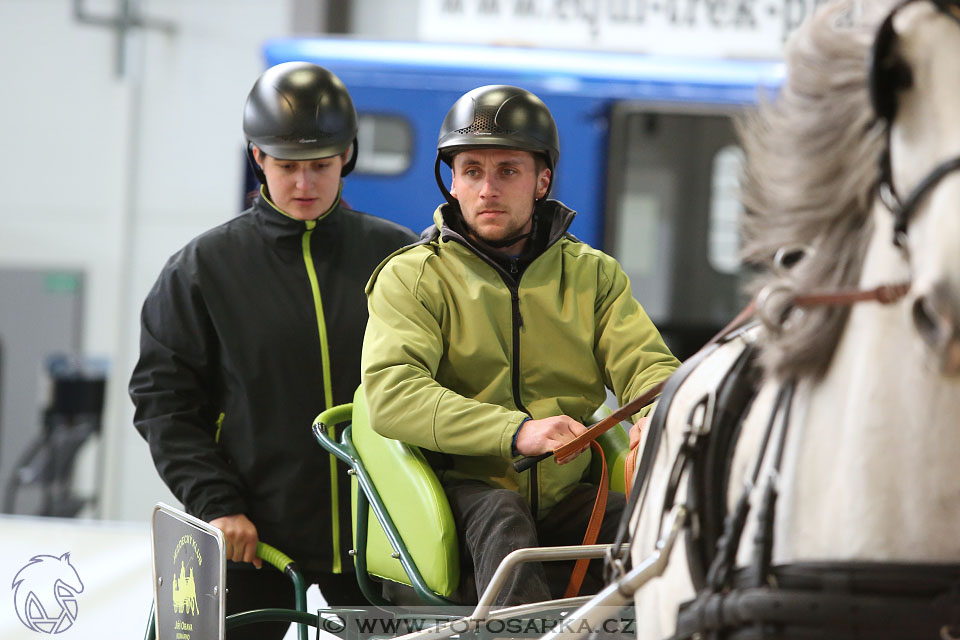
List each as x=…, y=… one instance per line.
x=498, y=116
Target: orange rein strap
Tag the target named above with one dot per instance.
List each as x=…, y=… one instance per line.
x=593, y=526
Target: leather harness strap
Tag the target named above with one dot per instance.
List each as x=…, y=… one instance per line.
x=569, y=449
x=884, y=294
x=593, y=526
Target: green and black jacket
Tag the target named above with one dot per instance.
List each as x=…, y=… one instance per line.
x=250, y=331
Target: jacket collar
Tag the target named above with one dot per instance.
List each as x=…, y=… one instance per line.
x=279, y=226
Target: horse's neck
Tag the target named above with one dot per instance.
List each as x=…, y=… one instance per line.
x=870, y=470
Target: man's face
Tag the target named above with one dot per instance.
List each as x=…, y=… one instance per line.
x=303, y=189
x=496, y=189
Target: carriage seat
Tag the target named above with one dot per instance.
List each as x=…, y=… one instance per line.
x=395, y=487
x=413, y=497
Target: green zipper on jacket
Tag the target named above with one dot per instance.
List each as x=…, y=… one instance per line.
x=324, y=357
x=216, y=437
x=327, y=389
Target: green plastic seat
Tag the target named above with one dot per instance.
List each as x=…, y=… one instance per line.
x=418, y=506
x=403, y=527
x=412, y=542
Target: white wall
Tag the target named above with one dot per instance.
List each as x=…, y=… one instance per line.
x=111, y=175
x=385, y=19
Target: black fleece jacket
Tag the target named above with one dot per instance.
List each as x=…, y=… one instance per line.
x=232, y=370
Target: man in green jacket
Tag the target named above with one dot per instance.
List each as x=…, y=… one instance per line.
x=497, y=336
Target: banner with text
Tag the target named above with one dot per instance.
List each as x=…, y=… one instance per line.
x=706, y=28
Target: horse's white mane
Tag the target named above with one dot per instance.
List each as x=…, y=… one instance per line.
x=812, y=155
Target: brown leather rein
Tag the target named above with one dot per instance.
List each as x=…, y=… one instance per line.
x=883, y=294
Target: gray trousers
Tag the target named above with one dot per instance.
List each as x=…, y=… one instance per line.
x=493, y=522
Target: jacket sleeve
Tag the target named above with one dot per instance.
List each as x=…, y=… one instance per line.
x=629, y=348
x=402, y=350
x=173, y=390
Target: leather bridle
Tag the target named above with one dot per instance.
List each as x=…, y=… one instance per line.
x=889, y=74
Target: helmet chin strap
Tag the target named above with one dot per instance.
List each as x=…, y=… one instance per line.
x=507, y=242
x=352, y=160
x=443, y=188
x=257, y=171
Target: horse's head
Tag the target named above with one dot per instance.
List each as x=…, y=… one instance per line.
x=915, y=90
x=811, y=175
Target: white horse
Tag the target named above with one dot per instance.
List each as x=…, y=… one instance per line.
x=867, y=470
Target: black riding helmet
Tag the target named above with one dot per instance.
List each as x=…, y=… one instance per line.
x=300, y=111
x=498, y=116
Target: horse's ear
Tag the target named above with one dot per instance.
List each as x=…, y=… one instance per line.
x=66, y=557
x=888, y=74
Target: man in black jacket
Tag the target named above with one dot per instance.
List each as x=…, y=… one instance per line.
x=255, y=327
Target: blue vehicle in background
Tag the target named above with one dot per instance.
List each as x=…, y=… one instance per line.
x=648, y=153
